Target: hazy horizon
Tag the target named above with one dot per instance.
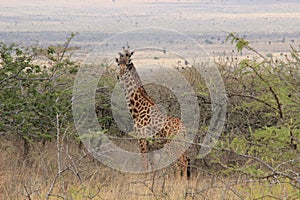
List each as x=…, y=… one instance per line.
x=41, y=21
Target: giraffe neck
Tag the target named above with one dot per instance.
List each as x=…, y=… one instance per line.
x=142, y=109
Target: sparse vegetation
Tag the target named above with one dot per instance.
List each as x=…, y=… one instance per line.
x=257, y=156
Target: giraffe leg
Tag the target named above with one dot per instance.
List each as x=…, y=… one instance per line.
x=144, y=150
x=183, y=165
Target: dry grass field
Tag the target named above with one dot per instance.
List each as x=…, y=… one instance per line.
x=82, y=177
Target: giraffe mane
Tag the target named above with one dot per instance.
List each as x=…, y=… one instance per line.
x=145, y=95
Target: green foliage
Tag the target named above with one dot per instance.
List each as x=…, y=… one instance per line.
x=241, y=43
x=262, y=135
x=32, y=94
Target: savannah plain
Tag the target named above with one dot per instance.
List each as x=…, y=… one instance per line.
x=254, y=44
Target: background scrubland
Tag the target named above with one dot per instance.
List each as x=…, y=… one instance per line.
x=256, y=157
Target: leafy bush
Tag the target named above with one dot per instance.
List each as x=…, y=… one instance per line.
x=35, y=88
x=262, y=133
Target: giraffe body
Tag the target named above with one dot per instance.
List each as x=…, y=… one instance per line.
x=149, y=122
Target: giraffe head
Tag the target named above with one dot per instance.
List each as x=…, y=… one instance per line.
x=124, y=61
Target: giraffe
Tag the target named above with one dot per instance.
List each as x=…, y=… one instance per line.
x=147, y=118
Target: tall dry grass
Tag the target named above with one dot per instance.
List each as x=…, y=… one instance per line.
x=83, y=177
